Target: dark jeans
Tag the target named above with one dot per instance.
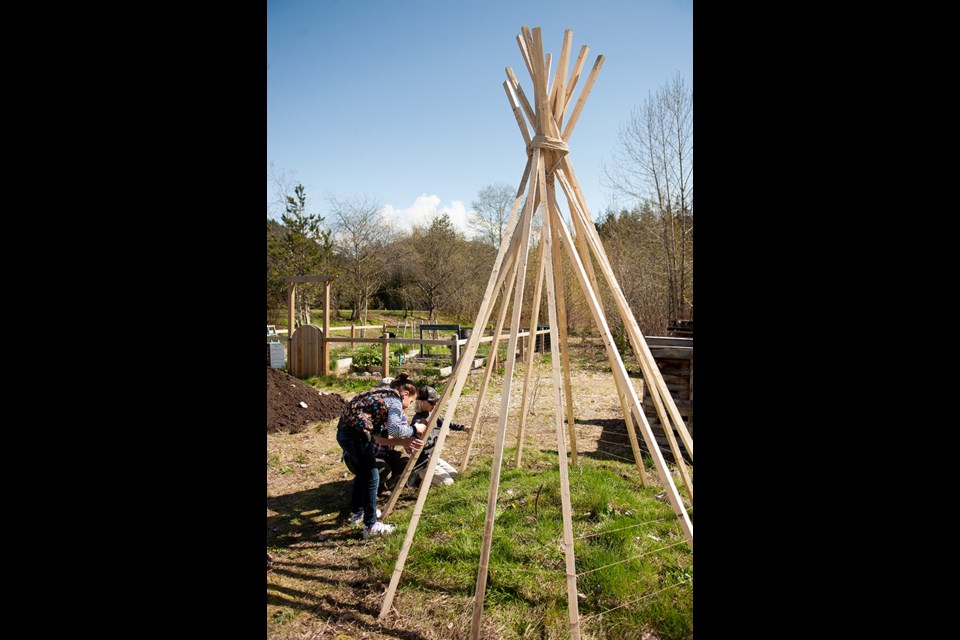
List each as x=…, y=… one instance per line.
x=359, y=456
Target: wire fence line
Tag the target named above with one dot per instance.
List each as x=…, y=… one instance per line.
x=647, y=553
x=627, y=604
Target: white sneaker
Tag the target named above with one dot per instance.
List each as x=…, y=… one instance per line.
x=378, y=529
x=357, y=518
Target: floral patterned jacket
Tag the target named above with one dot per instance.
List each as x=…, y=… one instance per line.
x=377, y=412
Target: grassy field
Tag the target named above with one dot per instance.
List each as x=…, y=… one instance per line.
x=633, y=563
x=634, y=566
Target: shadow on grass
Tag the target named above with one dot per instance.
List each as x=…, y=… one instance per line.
x=305, y=515
x=333, y=610
x=317, y=517
x=614, y=442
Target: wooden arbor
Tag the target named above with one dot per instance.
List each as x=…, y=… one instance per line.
x=548, y=162
x=309, y=341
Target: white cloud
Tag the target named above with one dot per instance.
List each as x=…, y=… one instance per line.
x=418, y=213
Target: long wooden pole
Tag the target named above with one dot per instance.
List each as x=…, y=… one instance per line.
x=491, y=365
x=560, y=80
x=531, y=348
x=574, y=77
x=504, y=407
x=502, y=265
x=453, y=393
x=560, y=348
x=325, y=347
x=638, y=342
x=566, y=510
x=620, y=374
x=522, y=97
x=580, y=244
x=646, y=364
x=634, y=446
x=568, y=130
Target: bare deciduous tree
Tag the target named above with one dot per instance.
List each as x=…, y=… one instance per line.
x=654, y=166
x=439, y=262
x=491, y=211
x=361, y=237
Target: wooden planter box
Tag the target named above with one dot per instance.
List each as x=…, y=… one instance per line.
x=675, y=361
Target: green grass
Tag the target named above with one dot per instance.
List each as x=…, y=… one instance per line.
x=628, y=546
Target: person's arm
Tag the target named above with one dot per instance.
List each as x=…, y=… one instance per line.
x=396, y=424
x=398, y=433
x=410, y=443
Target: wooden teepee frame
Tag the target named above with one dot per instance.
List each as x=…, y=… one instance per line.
x=548, y=162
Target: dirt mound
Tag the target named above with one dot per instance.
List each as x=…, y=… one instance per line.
x=284, y=395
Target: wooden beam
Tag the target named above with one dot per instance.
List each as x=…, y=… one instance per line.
x=620, y=374
x=648, y=365
x=502, y=264
x=453, y=393
x=325, y=346
x=522, y=97
x=568, y=131
x=561, y=348
x=574, y=77
x=631, y=434
x=386, y=356
x=540, y=84
x=491, y=365
x=516, y=113
x=531, y=348
x=525, y=51
x=309, y=278
x=553, y=303
x=560, y=80
x=504, y=407
x=292, y=365
x=547, y=60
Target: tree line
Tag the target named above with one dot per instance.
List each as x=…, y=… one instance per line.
x=435, y=268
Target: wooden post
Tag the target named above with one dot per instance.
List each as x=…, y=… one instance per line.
x=325, y=365
x=386, y=356
x=353, y=335
x=455, y=350
x=292, y=366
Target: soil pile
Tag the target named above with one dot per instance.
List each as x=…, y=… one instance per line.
x=284, y=395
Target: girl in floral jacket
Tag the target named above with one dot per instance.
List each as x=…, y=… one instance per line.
x=373, y=419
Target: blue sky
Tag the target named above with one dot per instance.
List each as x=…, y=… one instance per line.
x=402, y=100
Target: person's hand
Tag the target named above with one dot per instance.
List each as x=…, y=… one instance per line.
x=413, y=444
x=420, y=428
